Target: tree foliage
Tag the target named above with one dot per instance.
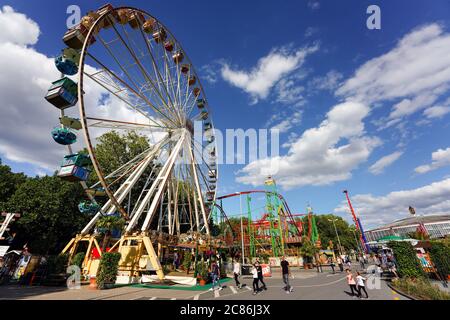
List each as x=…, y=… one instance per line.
x=107, y=270
x=327, y=231
x=113, y=149
x=440, y=256
x=9, y=182
x=49, y=213
x=408, y=265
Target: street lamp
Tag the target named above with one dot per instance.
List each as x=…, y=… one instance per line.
x=353, y=229
x=337, y=234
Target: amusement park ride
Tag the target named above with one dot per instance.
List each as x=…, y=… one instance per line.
x=147, y=84
x=127, y=72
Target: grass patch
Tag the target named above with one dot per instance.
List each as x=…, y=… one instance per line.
x=420, y=288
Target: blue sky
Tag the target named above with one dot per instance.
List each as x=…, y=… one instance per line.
x=327, y=50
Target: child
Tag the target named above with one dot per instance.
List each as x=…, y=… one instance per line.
x=351, y=282
x=360, y=280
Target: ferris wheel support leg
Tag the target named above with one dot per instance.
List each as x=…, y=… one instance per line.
x=157, y=186
x=153, y=257
x=124, y=189
x=199, y=191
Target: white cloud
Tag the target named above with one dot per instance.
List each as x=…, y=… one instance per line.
x=310, y=31
x=209, y=72
x=417, y=71
x=26, y=117
x=379, y=166
x=259, y=81
x=289, y=122
x=290, y=92
x=313, y=4
x=17, y=28
x=436, y=112
x=322, y=155
x=329, y=82
x=375, y=210
x=440, y=158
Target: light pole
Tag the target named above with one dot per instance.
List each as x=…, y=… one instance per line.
x=358, y=247
x=337, y=234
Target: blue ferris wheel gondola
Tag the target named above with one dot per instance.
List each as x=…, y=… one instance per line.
x=64, y=136
x=65, y=66
x=87, y=207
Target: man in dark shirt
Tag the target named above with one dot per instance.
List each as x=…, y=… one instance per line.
x=260, y=274
x=286, y=273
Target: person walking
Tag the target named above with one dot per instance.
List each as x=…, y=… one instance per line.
x=255, y=280
x=348, y=262
x=260, y=274
x=361, y=282
x=286, y=272
x=237, y=273
x=332, y=265
x=362, y=262
x=340, y=264
x=352, y=283
x=215, y=274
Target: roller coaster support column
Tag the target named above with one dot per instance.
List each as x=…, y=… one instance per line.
x=251, y=233
x=273, y=204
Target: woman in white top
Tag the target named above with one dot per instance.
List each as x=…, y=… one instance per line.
x=237, y=273
x=360, y=281
x=255, y=280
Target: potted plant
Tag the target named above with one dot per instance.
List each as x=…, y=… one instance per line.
x=202, y=273
x=107, y=270
x=187, y=260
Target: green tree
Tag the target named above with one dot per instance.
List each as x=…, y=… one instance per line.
x=49, y=213
x=308, y=249
x=327, y=231
x=113, y=150
x=408, y=265
x=9, y=182
x=107, y=224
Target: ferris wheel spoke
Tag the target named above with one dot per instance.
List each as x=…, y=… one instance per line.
x=135, y=107
x=144, y=72
x=143, y=97
x=124, y=125
x=122, y=68
x=156, y=70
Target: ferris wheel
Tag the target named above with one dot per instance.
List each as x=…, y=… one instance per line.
x=131, y=74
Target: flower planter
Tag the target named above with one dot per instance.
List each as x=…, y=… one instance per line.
x=202, y=282
x=93, y=283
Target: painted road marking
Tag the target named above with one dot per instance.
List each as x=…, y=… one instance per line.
x=216, y=294
x=173, y=299
x=248, y=288
x=233, y=289
x=196, y=297
x=153, y=298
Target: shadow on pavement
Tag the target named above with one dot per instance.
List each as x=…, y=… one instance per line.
x=17, y=292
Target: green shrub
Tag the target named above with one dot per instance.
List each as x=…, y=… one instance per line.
x=408, y=265
x=440, y=256
x=57, y=264
x=107, y=270
x=187, y=259
x=420, y=289
x=78, y=259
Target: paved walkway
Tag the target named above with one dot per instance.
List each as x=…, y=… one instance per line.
x=308, y=285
